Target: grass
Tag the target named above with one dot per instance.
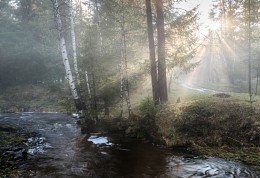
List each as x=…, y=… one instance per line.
x=33, y=98
x=223, y=125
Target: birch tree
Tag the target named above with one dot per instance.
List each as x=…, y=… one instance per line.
x=73, y=39
x=63, y=50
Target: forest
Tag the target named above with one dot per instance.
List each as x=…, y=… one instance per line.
x=150, y=75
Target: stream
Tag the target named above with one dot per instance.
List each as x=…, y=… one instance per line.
x=59, y=150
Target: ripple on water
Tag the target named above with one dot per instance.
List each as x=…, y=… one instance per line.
x=211, y=167
x=125, y=158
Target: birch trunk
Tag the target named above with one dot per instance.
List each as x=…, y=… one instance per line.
x=64, y=52
x=88, y=86
x=73, y=39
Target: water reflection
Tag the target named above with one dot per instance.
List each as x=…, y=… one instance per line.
x=64, y=152
x=131, y=158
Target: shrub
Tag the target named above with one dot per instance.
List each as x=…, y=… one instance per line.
x=144, y=127
x=216, y=123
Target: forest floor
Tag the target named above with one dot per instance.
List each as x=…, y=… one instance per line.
x=35, y=98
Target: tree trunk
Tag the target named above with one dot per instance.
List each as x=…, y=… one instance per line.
x=162, y=81
x=64, y=53
x=249, y=51
x=124, y=88
x=121, y=89
x=94, y=98
x=125, y=72
x=152, y=51
x=99, y=29
x=73, y=39
x=88, y=86
x=257, y=77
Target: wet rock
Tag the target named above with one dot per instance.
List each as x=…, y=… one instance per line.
x=13, y=154
x=188, y=157
x=21, y=154
x=7, y=155
x=3, y=149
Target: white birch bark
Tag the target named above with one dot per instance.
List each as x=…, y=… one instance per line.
x=73, y=39
x=64, y=51
x=88, y=86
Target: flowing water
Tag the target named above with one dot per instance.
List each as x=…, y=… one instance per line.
x=59, y=150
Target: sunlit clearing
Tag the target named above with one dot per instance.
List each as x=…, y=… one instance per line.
x=214, y=26
x=212, y=71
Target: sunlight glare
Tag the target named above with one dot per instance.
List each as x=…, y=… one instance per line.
x=214, y=26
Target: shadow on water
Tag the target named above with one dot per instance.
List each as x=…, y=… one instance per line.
x=59, y=150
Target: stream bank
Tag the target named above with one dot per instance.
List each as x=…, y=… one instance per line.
x=217, y=125
x=59, y=150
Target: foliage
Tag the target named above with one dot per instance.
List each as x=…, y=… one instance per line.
x=235, y=33
x=68, y=104
x=210, y=122
x=144, y=126
x=148, y=109
x=182, y=38
x=27, y=45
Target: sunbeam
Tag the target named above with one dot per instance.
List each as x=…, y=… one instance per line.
x=214, y=65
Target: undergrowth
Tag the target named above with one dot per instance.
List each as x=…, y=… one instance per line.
x=203, y=125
